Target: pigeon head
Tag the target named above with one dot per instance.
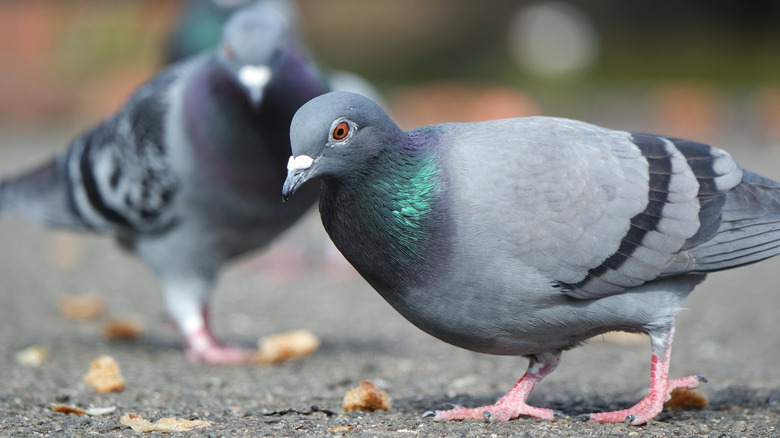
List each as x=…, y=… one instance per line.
x=336, y=135
x=253, y=48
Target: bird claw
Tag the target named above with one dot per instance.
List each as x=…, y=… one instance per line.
x=582, y=417
x=702, y=379
x=434, y=412
x=629, y=419
x=427, y=414
x=560, y=414
x=486, y=415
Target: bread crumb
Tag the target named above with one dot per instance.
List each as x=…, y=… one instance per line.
x=104, y=375
x=128, y=328
x=286, y=346
x=93, y=411
x=367, y=397
x=163, y=425
x=682, y=398
x=32, y=356
x=341, y=429
x=82, y=307
x=65, y=409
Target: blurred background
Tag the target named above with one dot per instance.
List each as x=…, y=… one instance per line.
x=703, y=69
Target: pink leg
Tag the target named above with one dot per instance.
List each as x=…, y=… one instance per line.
x=187, y=300
x=660, y=390
x=511, y=405
x=203, y=347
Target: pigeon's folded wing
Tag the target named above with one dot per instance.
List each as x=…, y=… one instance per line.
x=749, y=229
x=594, y=210
x=120, y=172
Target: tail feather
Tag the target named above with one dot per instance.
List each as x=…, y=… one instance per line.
x=42, y=195
x=750, y=227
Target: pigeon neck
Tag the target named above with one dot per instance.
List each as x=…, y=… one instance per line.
x=390, y=221
x=215, y=108
x=244, y=147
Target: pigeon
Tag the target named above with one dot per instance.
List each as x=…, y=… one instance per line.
x=198, y=28
x=527, y=236
x=186, y=174
x=200, y=23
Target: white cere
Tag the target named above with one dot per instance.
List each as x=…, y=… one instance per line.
x=299, y=162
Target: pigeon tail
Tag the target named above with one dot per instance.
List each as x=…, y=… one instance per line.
x=750, y=227
x=41, y=195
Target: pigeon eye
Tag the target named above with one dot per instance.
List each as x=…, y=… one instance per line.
x=340, y=131
x=229, y=51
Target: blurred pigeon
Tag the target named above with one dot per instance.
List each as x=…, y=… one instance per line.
x=528, y=236
x=187, y=172
x=199, y=27
x=200, y=22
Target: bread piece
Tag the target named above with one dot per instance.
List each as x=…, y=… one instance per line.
x=286, y=346
x=367, y=397
x=683, y=398
x=163, y=425
x=128, y=328
x=104, y=375
x=82, y=307
x=32, y=356
x=66, y=409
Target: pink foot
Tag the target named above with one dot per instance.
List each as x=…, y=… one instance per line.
x=649, y=407
x=497, y=412
x=660, y=390
x=511, y=405
x=203, y=347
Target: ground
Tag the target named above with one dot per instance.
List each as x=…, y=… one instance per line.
x=728, y=333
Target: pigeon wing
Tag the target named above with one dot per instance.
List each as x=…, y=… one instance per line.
x=749, y=230
x=119, y=173
x=594, y=210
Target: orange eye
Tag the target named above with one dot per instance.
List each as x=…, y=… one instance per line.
x=340, y=131
x=229, y=52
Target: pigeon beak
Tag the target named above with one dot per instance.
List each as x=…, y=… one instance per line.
x=297, y=174
x=254, y=78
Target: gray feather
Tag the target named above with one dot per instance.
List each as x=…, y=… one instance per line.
x=42, y=195
x=749, y=229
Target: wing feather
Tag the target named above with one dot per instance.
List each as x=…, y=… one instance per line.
x=594, y=210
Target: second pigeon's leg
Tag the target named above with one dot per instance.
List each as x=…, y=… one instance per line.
x=188, y=304
x=511, y=405
x=660, y=388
